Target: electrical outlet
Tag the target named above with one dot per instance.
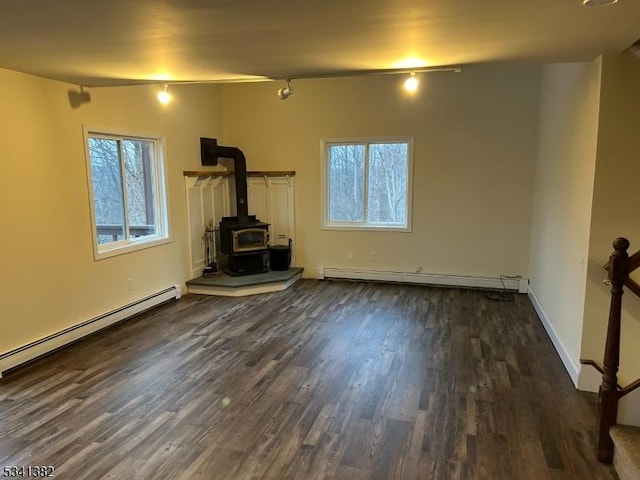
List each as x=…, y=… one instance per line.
x=350, y=256
x=372, y=256
x=130, y=284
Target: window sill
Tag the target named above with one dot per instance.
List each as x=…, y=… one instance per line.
x=115, y=249
x=366, y=228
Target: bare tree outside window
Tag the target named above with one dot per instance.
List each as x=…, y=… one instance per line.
x=124, y=176
x=138, y=161
x=106, y=178
x=367, y=184
x=346, y=183
x=388, y=177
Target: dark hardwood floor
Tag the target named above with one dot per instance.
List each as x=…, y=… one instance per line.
x=326, y=380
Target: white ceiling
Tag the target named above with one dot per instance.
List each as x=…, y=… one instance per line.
x=111, y=42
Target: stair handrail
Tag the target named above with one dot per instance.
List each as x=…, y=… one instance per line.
x=623, y=390
x=629, y=388
x=619, y=268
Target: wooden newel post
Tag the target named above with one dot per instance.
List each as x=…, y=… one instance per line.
x=608, y=394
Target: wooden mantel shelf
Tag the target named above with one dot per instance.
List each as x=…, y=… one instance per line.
x=214, y=173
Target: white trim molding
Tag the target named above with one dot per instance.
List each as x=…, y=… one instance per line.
x=48, y=344
x=517, y=283
x=572, y=369
x=158, y=198
x=364, y=224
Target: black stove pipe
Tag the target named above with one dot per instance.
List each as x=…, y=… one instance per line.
x=210, y=152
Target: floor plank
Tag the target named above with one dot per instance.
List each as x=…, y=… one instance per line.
x=325, y=380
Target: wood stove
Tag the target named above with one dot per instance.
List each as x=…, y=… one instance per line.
x=243, y=238
x=246, y=245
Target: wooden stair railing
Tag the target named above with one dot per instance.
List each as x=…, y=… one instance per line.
x=619, y=267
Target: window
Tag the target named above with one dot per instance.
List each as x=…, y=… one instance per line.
x=126, y=182
x=367, y=184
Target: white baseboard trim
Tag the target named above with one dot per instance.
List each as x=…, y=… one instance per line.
x=518, y=283
x=52, y=342
x=567, y=361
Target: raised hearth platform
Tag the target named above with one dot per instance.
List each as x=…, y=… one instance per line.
x=228, y=286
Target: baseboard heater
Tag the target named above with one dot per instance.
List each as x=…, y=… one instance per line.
x=516, y=283
x=64, y=337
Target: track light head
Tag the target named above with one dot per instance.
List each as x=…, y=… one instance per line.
x=411, y=83
x=285, y=92
x=164, y=96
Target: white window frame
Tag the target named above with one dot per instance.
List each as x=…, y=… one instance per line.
x=128, y=245
x=324, y=146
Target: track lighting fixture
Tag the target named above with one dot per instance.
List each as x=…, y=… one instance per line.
x=164, y=97
x=411, y=83
x=77, y=98
x=285, y=92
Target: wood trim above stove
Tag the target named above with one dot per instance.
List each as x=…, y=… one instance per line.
x=209, y=173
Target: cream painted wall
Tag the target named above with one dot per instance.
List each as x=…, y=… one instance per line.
x=564, y=177
x=50, y=280
x=475, y=141
x=616, y=207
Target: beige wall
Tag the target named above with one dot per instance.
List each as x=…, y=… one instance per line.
x=475, y=208
x=616, y=207
x=474, y=140
x=49, y=279
x=563, y=187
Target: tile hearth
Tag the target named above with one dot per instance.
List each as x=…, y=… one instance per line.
x=228, y=286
